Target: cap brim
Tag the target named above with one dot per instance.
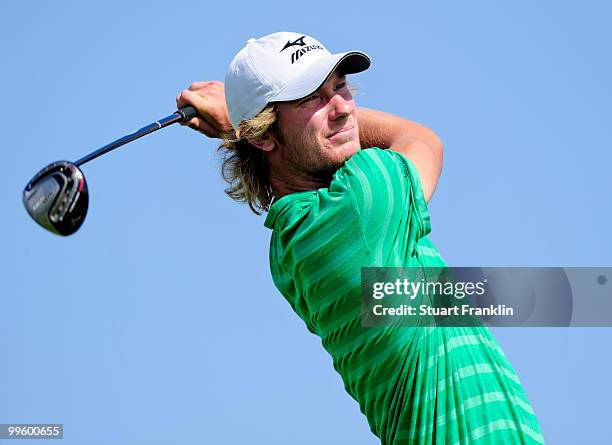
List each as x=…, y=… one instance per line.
x=315, y=75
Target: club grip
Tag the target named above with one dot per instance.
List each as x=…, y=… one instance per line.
x=187, y=113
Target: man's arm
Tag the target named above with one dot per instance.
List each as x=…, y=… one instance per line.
x=418, y=143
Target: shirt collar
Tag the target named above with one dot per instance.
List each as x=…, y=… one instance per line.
x=280, y=206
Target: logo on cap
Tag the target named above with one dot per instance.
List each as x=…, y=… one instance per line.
x=296, y=42
x=304, y=48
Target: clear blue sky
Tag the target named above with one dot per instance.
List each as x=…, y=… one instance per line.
x=158, y=322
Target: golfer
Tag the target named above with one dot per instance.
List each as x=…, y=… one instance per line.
x=346, y=188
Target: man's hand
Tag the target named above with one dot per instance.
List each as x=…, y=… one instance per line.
x=208, y=98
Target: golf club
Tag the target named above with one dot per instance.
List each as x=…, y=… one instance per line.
x=57, y=196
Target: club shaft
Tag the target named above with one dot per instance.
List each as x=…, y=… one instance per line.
x=178, y=116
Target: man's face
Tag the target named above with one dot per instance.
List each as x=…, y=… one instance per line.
x=319, y=133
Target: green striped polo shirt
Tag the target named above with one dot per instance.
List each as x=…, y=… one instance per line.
x=415, y=385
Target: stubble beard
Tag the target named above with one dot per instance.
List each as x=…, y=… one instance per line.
x=305, y=157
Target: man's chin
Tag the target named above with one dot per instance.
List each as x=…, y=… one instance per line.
x=348, y=149
x=340, y=155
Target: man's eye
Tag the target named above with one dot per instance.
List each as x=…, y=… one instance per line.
x=308, y=99
x=340, y=86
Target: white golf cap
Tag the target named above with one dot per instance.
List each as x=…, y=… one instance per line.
x=280, y=67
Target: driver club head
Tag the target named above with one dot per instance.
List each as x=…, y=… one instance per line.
x=57, y=198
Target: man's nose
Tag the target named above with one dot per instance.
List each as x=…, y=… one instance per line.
x=340, y=106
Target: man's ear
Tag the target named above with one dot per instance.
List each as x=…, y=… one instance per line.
x=266, y=142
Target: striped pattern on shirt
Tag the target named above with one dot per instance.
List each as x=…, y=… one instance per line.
x=415, y=385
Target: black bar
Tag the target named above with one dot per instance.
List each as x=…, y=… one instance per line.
x=178, y=116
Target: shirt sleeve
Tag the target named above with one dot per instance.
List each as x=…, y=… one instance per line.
x=387, y=198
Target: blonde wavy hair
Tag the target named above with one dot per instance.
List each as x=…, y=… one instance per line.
x=244, y=166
